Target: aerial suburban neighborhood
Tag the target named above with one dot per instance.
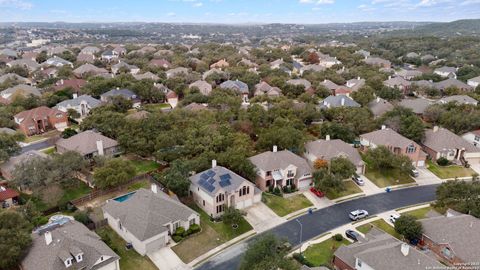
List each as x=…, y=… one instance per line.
x=238, y=145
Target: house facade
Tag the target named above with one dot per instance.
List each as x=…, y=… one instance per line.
x=328, y=149
x=216, y=189
x=396, y=143
x=441, y=142
x=40, y=120
x=82, y=104
x=147, y=218
x=472, y=137
x=281, y=169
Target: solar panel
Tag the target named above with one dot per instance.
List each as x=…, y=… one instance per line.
x=225, y=177
x=204, y=176
x=225, y=182
x=210, y=188
x=211, y=181
x=210, y=173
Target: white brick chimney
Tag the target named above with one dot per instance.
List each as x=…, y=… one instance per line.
x=214, y=163
x=384, y=127
x=100, y=148
x=327, y=138
x=342, y=101
x=435, y=128
x=275, y=148
x=48, y=238
x=75, y=95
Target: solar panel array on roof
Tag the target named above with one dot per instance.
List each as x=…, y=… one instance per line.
x=211, y=181
x=210, y=173
x=206, y=185
x=225, y=180
x=204, y=176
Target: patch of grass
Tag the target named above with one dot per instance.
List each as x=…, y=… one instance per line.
x=212, y=235
x=156, y=107
x=365, y=228
x=49, y=151
x=451, y=171
x=419, y=213
x=76, y=190
x=38, y=137
x=350, y=188
x=384, y=226
x=284, y=206
x=129, y=259
x=138, y=185
x=144, y=166
x=386, y=178
x=321, y=254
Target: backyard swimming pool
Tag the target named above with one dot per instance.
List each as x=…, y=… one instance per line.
x=124, y=197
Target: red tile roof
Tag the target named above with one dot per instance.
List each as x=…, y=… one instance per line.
x=8, y=194
x=76, y=84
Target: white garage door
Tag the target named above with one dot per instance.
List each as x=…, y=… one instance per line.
x=421, y=163
x=304, y=184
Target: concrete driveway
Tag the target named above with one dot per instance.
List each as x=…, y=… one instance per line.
x=426, y=177
x=369, y=188
x=166, y=259
x=262, y=218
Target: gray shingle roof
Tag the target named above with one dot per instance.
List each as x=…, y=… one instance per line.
x=302, y=82
x=417, y=105
x=236, y=85
x=461, y=233
x=452, y=83
x=461, y=99
x=445, y=139
x=216, y=173
x=336, y=101
x=70, y=238
x=382, y=251
x=328, y=149
x=145, y=213
x=92, y=102
x=269, y=161
x=23, y=89
x=126, y=93
x=86, y=142
x=379, y=106
x=387, y=136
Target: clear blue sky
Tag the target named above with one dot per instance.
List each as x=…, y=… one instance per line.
x=237, y=11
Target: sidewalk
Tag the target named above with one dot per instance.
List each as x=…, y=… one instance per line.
x=341, y=230
x=223, y=246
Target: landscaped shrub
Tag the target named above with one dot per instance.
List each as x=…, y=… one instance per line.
x=277, y=191
x=177, y=238
x=195, y=228
x=442, y=161
x=301, y=259
x=293, y=187
x=179, y=231
x=337, y=237
x=287, y=189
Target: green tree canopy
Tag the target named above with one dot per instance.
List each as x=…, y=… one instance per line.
x=15, y=235
x=266, y=253
x=114, y=172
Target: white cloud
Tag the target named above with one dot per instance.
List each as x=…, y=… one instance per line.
x=20, y=4
x=198, y=4
x=171, y=14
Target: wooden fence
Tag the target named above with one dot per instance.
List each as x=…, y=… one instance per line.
x=101, y=192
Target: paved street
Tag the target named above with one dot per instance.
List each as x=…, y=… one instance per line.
x=39, y=145
x=326, y=219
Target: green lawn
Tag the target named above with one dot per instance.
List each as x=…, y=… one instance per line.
x=48, y=151
x=350, y=188
x=77, y=190
x=419, y=213
x=380, y=224
x=129, y=259
x=321, y=254
x=284, y=206
x=386, y=178
x=451, y=171
x=138, y=185
x=144, y=166
x=45, y=135
x=212, y=235
x=156, y=107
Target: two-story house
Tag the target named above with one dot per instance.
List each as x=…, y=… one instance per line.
x=396, y=143
x=280, y=169
x=82, y=104
x=217, y=188
x=328, y=149
x=40, y=120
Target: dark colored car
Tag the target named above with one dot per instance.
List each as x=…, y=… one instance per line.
x=352, y=235
x=317, y=192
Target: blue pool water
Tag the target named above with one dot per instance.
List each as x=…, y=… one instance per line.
x=124, y=197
